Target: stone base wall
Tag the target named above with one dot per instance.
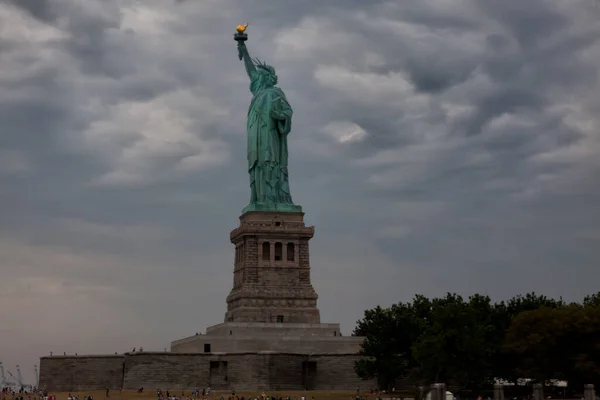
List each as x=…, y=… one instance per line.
x=256, y=329
x=291, y=344
x=74, y=373
x=337, y=373
x=241, y=371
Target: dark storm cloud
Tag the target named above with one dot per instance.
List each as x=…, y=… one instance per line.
x=38, y=9
x=436, y=146
x=530, y=23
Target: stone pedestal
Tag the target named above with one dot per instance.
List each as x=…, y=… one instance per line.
x=272, y=305
x=271, y=276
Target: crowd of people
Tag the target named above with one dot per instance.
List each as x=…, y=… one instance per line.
x=10, y=393
x=204, y=394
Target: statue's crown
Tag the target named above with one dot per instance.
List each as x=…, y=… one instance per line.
x=264, y=66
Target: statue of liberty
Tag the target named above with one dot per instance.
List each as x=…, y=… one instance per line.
x=269, y=123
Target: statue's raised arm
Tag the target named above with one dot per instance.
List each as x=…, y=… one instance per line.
x=240, y=37
x=244, y=55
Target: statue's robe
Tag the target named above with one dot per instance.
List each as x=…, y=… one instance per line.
x=267, y=145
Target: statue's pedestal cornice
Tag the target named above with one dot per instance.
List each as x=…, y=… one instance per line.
x=272, y=207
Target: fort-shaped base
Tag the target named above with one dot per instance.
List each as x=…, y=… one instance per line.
x=232, y=337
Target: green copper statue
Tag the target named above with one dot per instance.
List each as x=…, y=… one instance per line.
x=269, y=123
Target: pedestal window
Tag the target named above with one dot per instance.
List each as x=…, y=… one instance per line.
x=278, y=251
x=266, y=251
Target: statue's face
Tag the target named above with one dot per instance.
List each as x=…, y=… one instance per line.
x=264, y=79
x=268, y=78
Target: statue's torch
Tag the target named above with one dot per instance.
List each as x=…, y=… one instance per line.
x=240, y=36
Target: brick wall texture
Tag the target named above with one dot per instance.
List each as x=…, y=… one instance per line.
x=66, y=373
x=243, y=371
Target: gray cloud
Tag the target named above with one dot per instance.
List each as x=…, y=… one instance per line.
x=436, y=147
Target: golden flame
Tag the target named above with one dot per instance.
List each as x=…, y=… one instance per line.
x=241, y=28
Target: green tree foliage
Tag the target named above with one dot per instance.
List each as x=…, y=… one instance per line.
x=468, y=343
x=503, y=363
x=453, y=347
x=592, y=300
x=557, y=343
x=390, y=333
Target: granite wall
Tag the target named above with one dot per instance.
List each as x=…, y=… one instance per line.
x=241, y=371
x=242, y=344
x=75, y=373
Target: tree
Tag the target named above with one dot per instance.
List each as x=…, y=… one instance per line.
x=557, y=343
x=384, y=349
x=592, y=300
x=468, y=343
x=454, y=345
x=503, y=363
x=389, y=334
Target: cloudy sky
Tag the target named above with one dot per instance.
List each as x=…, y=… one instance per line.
x=438, y=145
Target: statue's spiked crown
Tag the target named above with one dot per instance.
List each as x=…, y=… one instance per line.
x=264, y=66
